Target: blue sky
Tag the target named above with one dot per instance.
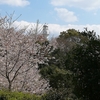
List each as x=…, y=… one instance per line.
x=60, y=15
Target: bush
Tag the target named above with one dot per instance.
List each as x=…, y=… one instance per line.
x=6, y=95
x=61, y=94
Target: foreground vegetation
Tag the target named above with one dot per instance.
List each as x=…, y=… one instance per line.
x=6, y=95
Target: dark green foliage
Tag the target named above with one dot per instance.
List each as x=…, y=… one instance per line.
x=69, y=39
x=76, y=70
x=86, y=68
x=61, y=94
x=58, y=78
x=69, y=33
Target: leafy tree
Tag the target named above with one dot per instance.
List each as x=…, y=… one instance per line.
x=55, y=70
x=59, y=78
x=68, y=39
x=85, y=65
x=76, y=69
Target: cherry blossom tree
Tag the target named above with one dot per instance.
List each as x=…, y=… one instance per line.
x=20, y=53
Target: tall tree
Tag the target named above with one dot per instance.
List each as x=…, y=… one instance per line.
x=85, y=65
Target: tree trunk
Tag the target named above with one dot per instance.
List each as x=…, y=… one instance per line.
x=9, y=86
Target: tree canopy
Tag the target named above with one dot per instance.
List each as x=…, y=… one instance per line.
x=77, y=69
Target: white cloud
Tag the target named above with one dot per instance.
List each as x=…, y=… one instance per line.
x=55, y=29
x=15, y=2
x=22, y=24
x=65, y=15
x=83, y=4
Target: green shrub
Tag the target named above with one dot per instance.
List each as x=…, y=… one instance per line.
x=6, y=95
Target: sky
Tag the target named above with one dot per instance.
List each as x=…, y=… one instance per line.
x=59, y=15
